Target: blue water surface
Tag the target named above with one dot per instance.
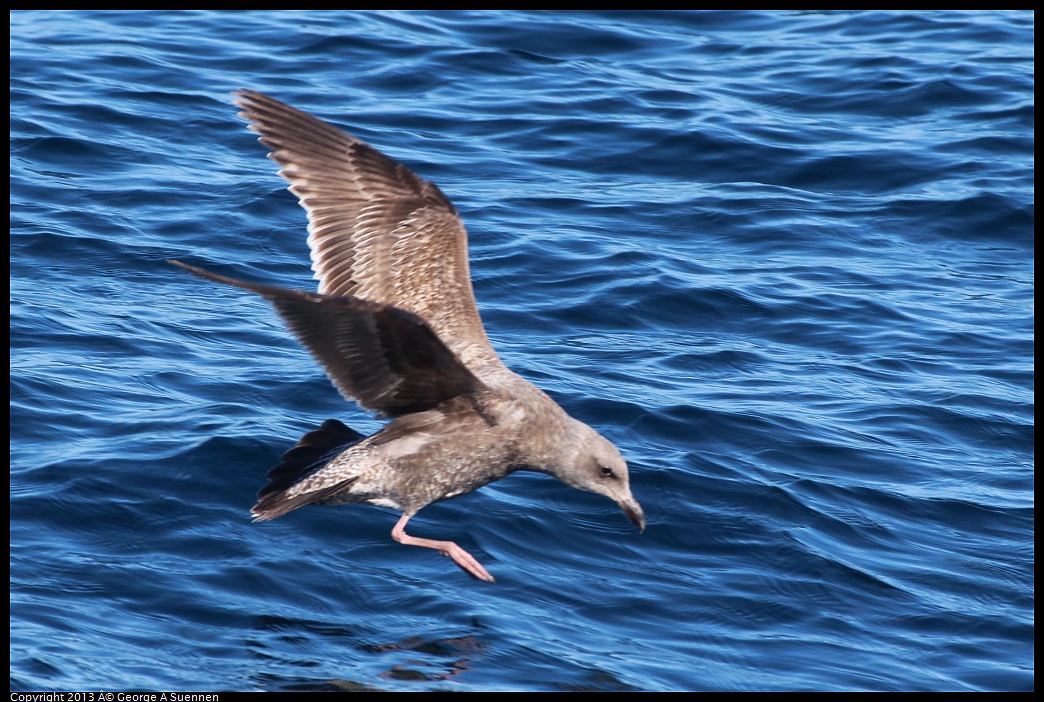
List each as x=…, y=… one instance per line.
x=783, y=260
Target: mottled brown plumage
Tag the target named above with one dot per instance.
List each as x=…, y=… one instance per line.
x=395, y=326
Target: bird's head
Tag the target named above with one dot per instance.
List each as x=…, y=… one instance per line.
x=591, y=462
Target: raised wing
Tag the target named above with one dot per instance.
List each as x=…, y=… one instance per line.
x=376, y=230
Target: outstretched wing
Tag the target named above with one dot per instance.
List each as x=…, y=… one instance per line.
x=386, y=359
x=376, y=230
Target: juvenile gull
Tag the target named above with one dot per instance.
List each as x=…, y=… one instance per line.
x=395, y=326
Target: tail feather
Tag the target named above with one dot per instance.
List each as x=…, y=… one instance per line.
x=312, y=452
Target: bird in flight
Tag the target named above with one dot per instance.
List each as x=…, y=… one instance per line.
x=395, y=326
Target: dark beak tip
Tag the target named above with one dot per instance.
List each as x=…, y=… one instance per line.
x=635, y=514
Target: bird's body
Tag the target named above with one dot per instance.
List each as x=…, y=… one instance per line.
x=396, y=328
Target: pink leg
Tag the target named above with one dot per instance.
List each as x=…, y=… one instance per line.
x=447, y=548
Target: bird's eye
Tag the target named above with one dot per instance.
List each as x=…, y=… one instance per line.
x=607, y=472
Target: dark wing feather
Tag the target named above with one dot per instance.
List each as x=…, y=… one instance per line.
x=376, y=230
x=386, y=359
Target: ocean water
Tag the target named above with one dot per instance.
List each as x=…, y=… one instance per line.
x=783, y=260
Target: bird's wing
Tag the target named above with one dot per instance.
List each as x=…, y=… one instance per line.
x=376, y=230
x=386, y=359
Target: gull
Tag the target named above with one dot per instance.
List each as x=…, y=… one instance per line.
x=395, y=327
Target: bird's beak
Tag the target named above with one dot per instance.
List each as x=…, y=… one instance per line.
x=634, y=512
